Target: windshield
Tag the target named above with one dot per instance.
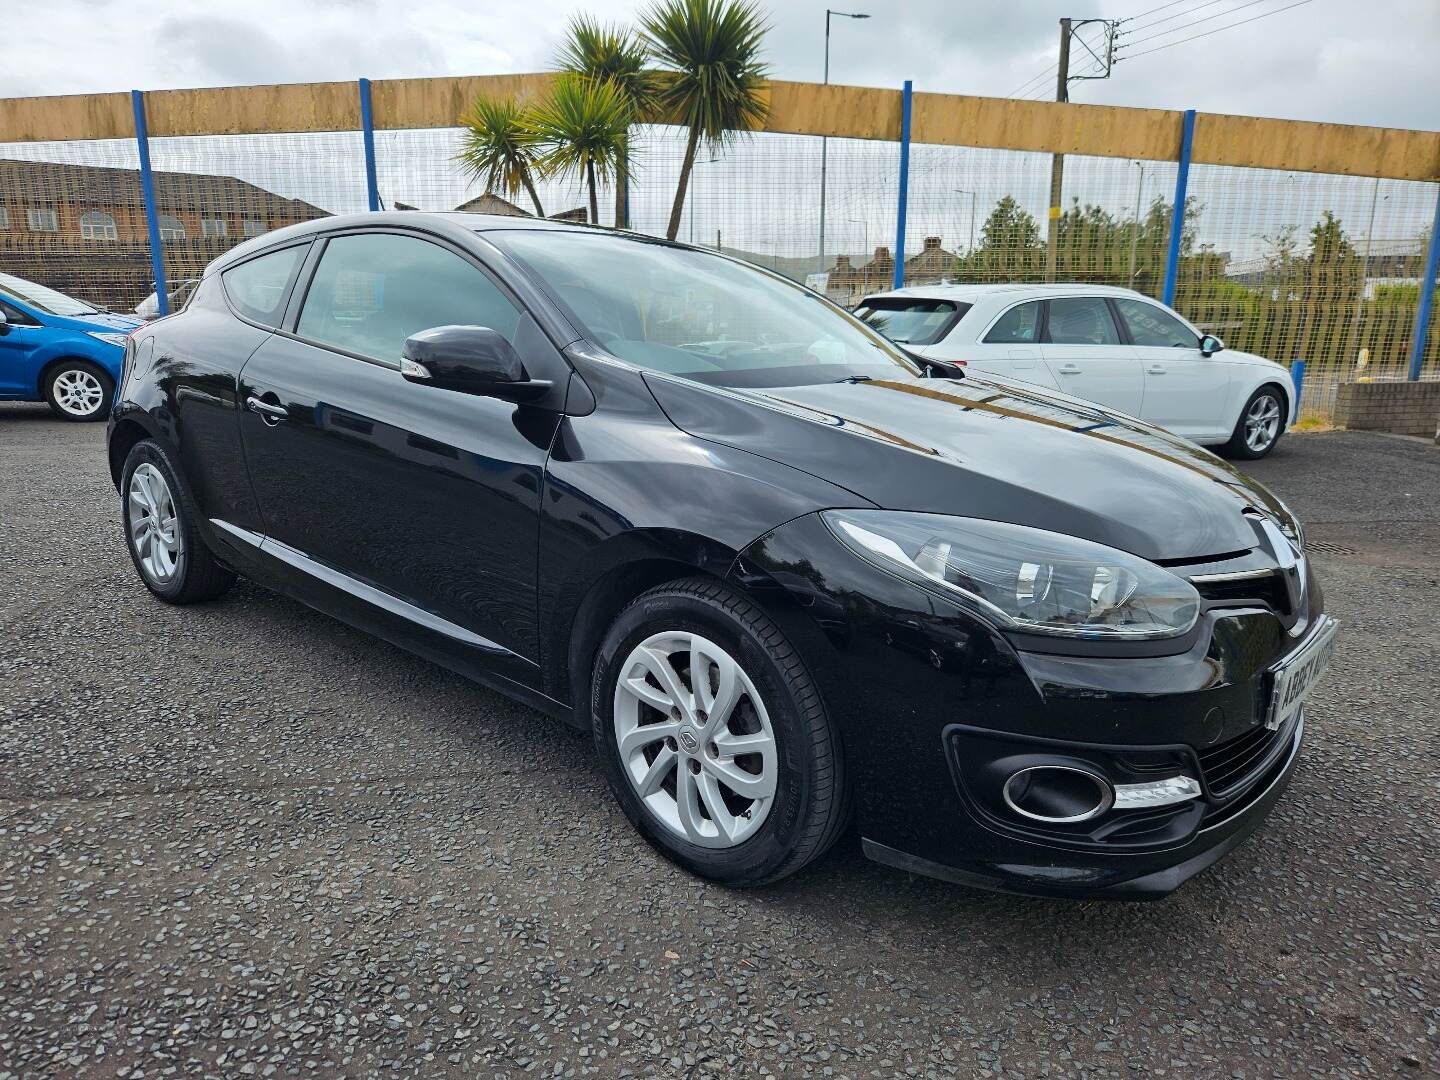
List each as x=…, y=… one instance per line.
x=47, y=300
x=911, y=320
x=701, y=316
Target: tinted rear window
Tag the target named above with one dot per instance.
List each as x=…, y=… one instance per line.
x=910, y=320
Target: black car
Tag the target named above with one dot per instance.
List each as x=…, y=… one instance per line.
x=786, y=574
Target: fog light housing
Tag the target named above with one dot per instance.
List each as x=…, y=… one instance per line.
x=1058, y=794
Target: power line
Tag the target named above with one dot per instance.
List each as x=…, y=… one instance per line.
x=1152, y=11
x=1207, y=33
x=1196, y=22
x=1171, y=18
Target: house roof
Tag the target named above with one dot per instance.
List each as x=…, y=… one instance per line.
x=50, y=182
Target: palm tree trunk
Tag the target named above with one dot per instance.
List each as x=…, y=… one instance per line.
x=530, y=187
x=622, y=188
x=594, y=206
x=691, y=145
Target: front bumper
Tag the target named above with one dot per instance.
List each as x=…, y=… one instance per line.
x=927, y=696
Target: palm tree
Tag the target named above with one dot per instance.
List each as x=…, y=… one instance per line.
x=611, y=54
x=582, y=126
x=501, y=148
x=711, y=49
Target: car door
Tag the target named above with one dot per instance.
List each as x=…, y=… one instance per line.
x=1010, y=345
x=419, y=502
x=17, y=341
x=1085, y=353
x=1185, y=390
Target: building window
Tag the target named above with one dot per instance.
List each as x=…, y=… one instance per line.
x=97, y=225
x=253, y=227
x=4, y=217
x=171, y=228
x=42, y=221
x=213, y=228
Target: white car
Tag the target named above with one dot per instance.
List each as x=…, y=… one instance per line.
x=1105, y=344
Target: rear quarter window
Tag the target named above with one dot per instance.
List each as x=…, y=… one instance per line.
x=257, y=288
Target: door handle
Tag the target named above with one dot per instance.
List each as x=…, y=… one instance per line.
x=271, y=414
x=1069, y=369
x=1156, y=369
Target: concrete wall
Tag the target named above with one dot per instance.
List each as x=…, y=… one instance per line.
x=1403, y=408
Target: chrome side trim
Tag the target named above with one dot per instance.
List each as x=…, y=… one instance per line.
x=235, y=532
x=361, y=591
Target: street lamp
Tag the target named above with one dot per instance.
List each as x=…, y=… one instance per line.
x=964, y=191
x=1135, y=232
x=824, y=143
x=690, y=193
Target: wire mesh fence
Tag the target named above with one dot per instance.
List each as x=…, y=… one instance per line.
x=1308, y=266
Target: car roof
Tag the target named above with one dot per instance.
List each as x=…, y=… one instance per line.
x=443, y=222
x=973, y=293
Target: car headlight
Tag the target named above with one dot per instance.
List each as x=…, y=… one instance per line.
x=1026, y=579
x=109, y=339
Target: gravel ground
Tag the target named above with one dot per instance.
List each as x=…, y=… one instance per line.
x=244, y=840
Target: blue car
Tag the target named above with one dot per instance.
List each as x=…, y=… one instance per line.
x=60, y=350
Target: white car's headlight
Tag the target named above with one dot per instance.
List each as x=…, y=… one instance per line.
x=1026, y=579
x=112, y=339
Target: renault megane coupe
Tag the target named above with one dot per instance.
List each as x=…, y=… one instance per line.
x=787, y=574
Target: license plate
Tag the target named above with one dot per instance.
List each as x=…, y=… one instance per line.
x=1298, y=674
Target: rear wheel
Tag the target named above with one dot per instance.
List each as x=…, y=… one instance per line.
x=79, y=390
x=159, y=519
x=1260, y=426
x=713, y=736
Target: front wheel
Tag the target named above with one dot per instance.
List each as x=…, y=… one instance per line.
x=1260, y=426
x=713, y=736
x=79, y=390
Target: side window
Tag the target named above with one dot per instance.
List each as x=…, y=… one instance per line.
x=257, y=287
x=1081, y=320
x=1021, y=324
x=15, y=316
x=1150, y=325
x=372, y=291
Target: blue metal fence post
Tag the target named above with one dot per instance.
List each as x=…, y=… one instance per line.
x=904, y=186
x=147, y=190
x=367, y=134
x=1297, y=376
x=1177, y=216
x=1427, y=297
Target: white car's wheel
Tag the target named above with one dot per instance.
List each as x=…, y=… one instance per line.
x=1260, y=426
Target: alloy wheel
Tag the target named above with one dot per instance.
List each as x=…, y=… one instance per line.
x=695, y=740
x=154, y=524
x=78, y=391
x=1262, y=423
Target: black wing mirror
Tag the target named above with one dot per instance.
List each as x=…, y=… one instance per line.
x=468, y=360
x=1210, y=345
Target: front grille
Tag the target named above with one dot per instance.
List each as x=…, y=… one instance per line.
x=1268, y=591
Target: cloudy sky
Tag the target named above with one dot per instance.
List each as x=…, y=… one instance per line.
x=1338, y=60
x=1333, y=60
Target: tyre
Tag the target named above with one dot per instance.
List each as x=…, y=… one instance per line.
x=160, y=517
x=713, y=736
x=1260, y=426
x=79, y=390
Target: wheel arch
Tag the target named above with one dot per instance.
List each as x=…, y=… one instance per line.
x=42, y=374
x=125, y=434
x=627, y=566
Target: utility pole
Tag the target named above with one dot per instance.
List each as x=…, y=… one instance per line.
x=1057, y=161
x=1135, y=232
x=1100, y=69
x=824, y=142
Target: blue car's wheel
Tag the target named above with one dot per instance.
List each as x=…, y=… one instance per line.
x=79, y=390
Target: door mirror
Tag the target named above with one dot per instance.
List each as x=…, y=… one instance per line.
x=1210, y=345
x=4, y=323
x=468, y=360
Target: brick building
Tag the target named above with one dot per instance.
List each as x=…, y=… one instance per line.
x=81, y=228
